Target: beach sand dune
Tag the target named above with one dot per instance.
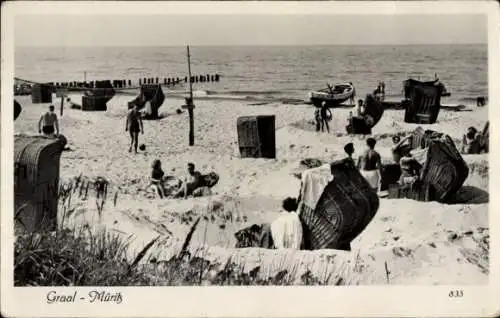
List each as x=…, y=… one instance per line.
x=421, y=243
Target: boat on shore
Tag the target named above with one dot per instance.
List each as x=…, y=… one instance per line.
x=332, y=96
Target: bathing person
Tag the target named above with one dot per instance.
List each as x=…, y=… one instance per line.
x=134, y=126
x=370, y=164
x=326, y=116
x=470, y=142
x=48, y=123
x=353, y=96
x=157, y=175
x=410, y=170
x=191, y=182
x=360, y=109
x=402, y=147
x=317, y=117
x=286, y=230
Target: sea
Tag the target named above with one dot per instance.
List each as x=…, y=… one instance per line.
x=268, y=72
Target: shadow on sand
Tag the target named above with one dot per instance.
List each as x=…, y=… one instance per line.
x=470, y=195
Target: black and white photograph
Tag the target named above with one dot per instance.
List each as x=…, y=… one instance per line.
x=155, y=145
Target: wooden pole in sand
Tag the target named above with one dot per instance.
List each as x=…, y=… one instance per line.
x=189, y=102
x=62, y=104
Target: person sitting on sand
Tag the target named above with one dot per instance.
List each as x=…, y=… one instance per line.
x=349, y=150
x=134, y=126
x=286, y=230
x=191, y=182
x=470, y=142
x=326, y=116
x=157, y=175
x=402, y=146
x=48, y=123
x=370, y=164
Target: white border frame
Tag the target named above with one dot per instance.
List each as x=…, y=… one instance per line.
x=254, y=301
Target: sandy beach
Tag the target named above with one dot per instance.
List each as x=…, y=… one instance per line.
x=417, y=241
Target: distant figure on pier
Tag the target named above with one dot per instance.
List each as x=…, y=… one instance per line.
x=48, y=123
x=134, y=126
x=326, y=116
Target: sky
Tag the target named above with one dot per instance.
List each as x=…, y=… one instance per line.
x=215, y=30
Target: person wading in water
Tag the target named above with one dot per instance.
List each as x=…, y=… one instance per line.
x=370, y=165
x=48, y=122
x=134, y=127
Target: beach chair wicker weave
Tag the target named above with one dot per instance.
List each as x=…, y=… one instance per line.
x=152, y=93
x=485, y=138
x=372, y=115
x=36, y=181
x=424, y=101
x=41, y=93
x=257, y=136
x=94, y=103
x=345, y=208
x=445, y=169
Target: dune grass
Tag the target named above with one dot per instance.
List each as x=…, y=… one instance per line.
x=82, y=257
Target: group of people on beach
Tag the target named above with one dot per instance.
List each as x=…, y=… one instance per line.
x=191, y=185
x=322, y=116
x=286, y=230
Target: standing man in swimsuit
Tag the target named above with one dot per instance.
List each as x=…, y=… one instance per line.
x=326, y=116
x=48, y=122
x=134, y=127
x=370, y=164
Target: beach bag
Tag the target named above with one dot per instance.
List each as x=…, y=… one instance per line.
x=344, y=209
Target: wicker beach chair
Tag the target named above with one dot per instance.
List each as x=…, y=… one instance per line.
x=423, y=101
x=36, y=181
x=17, y=109
x=257, y=136
x=344, y=209
x=372, y=115
x=152, y=93
x=443, y=171
x=485, y=138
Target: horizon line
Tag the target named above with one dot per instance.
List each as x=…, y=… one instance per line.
x=240, y=45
